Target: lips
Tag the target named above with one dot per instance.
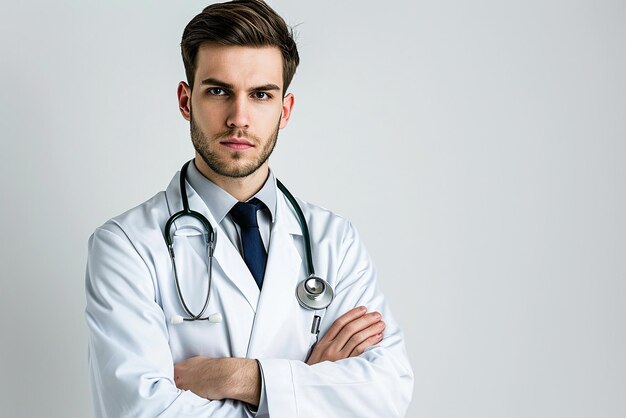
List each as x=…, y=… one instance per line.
x=237, y=143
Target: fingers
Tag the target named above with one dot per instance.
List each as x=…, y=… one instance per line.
x=367, y=343
x=357, y=330
x=343, y=320
x=350, y=335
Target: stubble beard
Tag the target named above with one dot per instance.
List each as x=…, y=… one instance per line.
x=225, y=167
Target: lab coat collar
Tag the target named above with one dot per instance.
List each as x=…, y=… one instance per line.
x=220, y=202
x=287, y=213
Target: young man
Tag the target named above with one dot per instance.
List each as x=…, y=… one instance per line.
x=252, y=349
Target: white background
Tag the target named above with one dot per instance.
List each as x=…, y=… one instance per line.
x=478, y=146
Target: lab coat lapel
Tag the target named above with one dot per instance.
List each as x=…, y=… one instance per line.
x=229, y=260
x=282, y=274
x=226, y=258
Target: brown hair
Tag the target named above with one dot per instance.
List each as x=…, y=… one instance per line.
x=239, y=23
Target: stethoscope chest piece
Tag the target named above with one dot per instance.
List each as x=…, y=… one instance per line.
x=314, y=293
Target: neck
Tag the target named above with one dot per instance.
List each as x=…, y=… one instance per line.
x=241, y=188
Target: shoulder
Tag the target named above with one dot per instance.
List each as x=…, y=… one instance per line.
x=141, y=223
x=317, y=213
x=121, y=253
x=325, y=222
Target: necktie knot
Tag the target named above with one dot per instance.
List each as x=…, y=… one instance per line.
x=244, y=213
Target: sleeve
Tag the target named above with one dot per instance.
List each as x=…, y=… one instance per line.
x=260, y=411
x=130, y=364
x=378, y=383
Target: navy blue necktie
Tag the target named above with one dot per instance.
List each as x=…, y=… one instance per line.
x=244, y=213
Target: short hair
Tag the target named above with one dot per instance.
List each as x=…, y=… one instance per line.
x=239, y=23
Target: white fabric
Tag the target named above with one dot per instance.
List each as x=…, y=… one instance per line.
x=131, y=296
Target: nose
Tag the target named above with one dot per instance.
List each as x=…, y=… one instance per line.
x=238, y=115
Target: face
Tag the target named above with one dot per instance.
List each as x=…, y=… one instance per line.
x=236, y=108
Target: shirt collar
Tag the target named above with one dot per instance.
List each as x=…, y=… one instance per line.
x=220, y=202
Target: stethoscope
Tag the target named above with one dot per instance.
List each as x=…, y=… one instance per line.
x=312, y=293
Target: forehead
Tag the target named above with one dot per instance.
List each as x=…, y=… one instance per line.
x=241, y=66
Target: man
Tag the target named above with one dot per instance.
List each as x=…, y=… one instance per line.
x=259, y=354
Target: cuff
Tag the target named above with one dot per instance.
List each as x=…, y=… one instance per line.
x=261, y=411
x=277, y=388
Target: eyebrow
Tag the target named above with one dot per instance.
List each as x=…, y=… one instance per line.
x=218, y=83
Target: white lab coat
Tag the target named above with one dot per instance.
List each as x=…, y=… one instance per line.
x=133, y=346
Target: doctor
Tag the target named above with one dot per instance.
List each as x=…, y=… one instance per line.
x=260, y=354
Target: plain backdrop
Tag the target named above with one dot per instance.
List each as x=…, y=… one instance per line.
x=479, y=147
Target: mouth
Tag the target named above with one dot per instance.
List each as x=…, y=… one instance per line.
x=237, y=143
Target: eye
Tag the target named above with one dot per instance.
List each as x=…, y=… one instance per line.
x=261, y=95
x=216, y=91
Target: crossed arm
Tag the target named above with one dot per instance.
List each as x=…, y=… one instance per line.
x=240, y=378
x=130, y=359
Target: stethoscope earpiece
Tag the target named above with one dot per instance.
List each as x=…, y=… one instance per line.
x=214, y=318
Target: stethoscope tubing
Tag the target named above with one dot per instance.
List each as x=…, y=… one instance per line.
x=303, y=226
x=311, y=302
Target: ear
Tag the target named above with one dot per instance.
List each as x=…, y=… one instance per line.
x=184, y=100
x=288, y=103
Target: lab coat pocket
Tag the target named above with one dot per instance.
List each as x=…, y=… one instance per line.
x=312, y=339
x=312, y=324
